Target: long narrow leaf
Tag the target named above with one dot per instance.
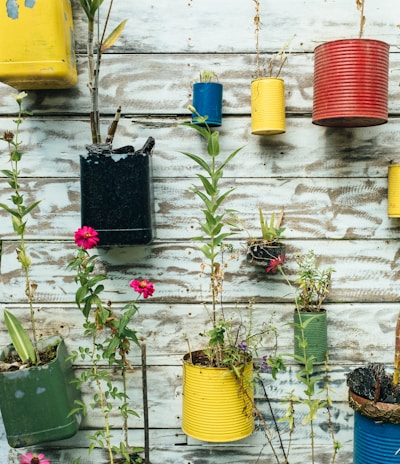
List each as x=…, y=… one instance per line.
x=22, y=343
x=198, y=160
x=113, y=37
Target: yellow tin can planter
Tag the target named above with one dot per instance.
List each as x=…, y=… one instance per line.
x=394, y=191
x=217, y=407
x=37, y=44
x=268, y=106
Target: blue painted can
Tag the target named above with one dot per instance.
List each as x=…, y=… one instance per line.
x=375, y=442
x=207, y=99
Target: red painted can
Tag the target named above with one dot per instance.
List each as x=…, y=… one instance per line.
x=351, y=83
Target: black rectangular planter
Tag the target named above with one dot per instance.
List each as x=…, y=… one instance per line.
x=116, y=196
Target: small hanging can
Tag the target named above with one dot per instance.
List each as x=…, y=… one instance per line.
x=394, y=191
x=207, y=99
x=268, y=106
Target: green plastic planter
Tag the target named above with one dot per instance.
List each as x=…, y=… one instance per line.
x=315, y=332
x=35, y=402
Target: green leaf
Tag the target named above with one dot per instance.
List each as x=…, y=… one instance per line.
x=200, y=161
x=202, y=130
x=22, y=343
x=28, y=209
x=228, y=159
x=13, y=212
x=113, y=37
x=213, y=144
x=8, y=173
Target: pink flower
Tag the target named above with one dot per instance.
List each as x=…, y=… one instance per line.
x=275, y=263
x=143, y=287
x=86, y=237
x=30, y=458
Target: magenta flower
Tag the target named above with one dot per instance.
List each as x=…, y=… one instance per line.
x=143, y=287
x=275, y=263
x=30, y=458
x=86, y=237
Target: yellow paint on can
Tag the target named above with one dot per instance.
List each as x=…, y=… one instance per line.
x=268, y=106
x=37, y=45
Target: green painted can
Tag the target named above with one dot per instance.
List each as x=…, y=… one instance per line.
x=35, y=402
x=315, y=332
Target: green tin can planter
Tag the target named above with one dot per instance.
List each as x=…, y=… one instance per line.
x=315, y=333
x=116, y=194
x=35, y=402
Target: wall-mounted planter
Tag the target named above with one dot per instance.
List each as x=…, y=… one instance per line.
x=207, y=99
x=37, y=44
x=35, y=402
x=351, y=83
x=268, y=106
x=216, y=407
x=315, y=333
x=394, y=191
x=116, y=196
x=376, y=416
x=260, y=252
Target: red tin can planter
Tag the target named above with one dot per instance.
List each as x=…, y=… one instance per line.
x=351, y=83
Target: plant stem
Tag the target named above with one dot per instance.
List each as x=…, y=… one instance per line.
x=101, y=399
x=19, y=228
x=396, y=372
x=360, y=6
x=257, y=33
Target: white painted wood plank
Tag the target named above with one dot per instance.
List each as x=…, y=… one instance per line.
x=171, y=94
x=154, y=28
x=315, y=208
x=210, y=454
x=357, y=332
x=366, y=271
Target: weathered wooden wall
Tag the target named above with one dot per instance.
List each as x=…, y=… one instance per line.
x=332, y=182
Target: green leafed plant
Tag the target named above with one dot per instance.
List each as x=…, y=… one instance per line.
x=19, y=212
x=271, y=230
x=208, y=76
x=111, y=342
x=215, y=224
x=95, y=51
x=312, y=283
x=312, y=288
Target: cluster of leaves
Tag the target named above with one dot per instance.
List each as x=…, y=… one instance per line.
x=313, y=283
x=271, y=230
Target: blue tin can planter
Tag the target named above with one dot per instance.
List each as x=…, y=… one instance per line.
x=207, y=99
x=375, y=442
x=116, y=195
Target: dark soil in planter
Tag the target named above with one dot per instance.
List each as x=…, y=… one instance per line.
x=372, y=382
x=134, y=459
x=199, y=358
x=12, y=361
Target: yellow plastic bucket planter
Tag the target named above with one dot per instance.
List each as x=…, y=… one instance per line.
x=37, y=44
x=394, y=191
x=268, y=106
x=216, y=406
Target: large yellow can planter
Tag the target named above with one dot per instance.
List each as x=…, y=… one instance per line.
x=217, y=406
x=268, y=106
x=394, y=191
x=37, y=44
